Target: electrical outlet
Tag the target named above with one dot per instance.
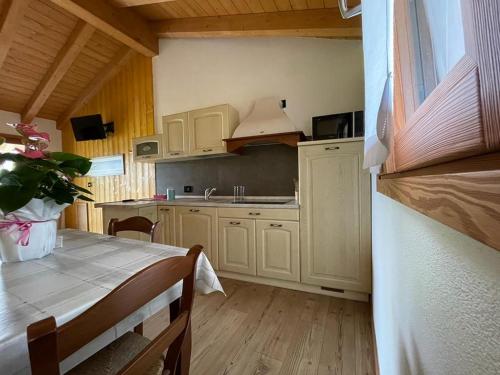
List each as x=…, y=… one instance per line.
x=188, y=189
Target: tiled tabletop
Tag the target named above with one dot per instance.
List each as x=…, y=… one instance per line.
x=66, y=283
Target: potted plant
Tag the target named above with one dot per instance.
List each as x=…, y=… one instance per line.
x=35, y=186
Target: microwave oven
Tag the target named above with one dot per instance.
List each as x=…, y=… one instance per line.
x=147, y=148
x=338, y=125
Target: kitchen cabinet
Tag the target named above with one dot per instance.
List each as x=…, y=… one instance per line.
x=175, y=135
x=208, y=127
x=122, y=213
x=151, y=213
x=166, y=217
x=278, y=249
x=147, y=149
x=260, y=242
x=82, y=217
x=335, y=216
x=198, y=226
x=237, y=245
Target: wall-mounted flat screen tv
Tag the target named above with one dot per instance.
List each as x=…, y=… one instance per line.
x=86, y=128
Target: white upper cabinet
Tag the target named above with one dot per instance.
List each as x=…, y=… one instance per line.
x=208, y=127
x=175, y=135
x=147, y=149
x=196, y=133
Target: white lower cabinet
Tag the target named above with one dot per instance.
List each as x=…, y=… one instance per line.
x=256, y=247
x=152, y=214
x=166, y=217
x=278, y=249
x=198, y=226
x=237, y=245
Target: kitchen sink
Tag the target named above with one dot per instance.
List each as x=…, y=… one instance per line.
x=260, y=202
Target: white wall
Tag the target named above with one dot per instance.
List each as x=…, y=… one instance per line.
x=48, y=126
x=436, y=296
x=316, y=76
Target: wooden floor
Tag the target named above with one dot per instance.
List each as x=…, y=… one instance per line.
x=259, y=329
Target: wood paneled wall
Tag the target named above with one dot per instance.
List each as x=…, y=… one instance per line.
x=127, y=100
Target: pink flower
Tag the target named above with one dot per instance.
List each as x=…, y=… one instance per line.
x=30, y=131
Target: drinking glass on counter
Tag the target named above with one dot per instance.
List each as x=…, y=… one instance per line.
x=238, y=193
x=170, y=194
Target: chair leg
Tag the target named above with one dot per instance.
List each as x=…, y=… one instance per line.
x=185, y=356
x=139, y=329
x=171, y=360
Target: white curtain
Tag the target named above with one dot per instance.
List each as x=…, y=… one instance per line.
x=377, y=47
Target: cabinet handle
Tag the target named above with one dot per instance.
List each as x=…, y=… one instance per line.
x=194, y=210
x=175, y=153
x=164, y=209
x=254, y=213
x=332, y=148
x=276, y=225
x=234, y=223
x=207, y=150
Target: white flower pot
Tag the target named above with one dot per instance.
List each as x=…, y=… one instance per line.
x=30, y=232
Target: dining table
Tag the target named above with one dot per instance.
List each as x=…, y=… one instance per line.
x=81, y=271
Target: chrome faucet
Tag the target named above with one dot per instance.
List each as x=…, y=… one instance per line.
x=209, y=192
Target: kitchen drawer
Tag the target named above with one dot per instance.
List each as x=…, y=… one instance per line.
x=260, y=213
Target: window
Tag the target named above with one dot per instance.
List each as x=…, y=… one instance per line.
x=445, y=147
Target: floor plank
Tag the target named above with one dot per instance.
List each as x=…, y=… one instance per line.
x=263, y=330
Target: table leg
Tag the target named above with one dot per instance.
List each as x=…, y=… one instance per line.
x=175, y=308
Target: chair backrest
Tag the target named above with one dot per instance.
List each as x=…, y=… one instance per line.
x=48, y=344
x=137, y=224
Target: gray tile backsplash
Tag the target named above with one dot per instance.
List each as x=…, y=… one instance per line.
x=264, y=170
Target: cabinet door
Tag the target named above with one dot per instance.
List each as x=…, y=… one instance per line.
x=278, y=249
x=167, y=222
x=82, y=217
x=175, y=135
x=207, y=129
x=237, y=245
x=152, y=214
x=197, y=226
x=120, y=213
x=147, y=149
x=335, y=216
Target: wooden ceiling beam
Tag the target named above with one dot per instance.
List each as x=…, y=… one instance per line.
x=122, y=24
x=68, y=54
x=112, y=68
x=313, y=23
x=134, y=3
x=10, y=19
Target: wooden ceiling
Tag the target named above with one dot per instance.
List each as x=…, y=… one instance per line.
x=56, y=54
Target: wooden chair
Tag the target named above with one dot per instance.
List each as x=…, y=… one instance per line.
x=136, y=224
x=131, y=353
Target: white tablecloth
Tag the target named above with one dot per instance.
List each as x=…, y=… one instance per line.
x=65, y=284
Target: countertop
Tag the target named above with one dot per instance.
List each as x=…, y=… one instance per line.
x=290, y=202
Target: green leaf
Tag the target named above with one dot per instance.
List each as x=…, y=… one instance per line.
x=18, y=197
x=84, y=198
x=79, y=188
x=63, y=156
